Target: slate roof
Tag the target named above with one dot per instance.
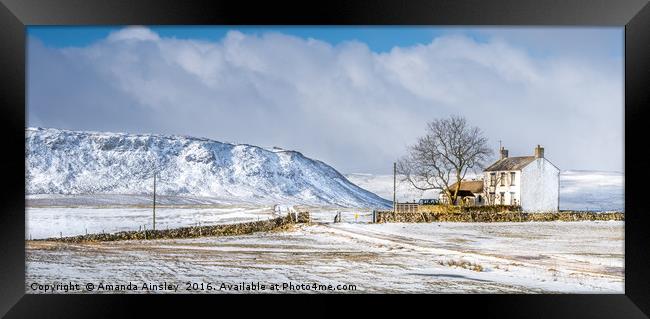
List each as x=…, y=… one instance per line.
x=510, y=163
x=469, y=186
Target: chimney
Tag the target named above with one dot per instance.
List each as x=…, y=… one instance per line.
x=539, y=152
x=504, y=152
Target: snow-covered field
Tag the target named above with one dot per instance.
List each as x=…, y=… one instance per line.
x=54, y=221
x=382, y=185
x=579, y=190
x=46, y=222
x=575, y=257
x=592, y=190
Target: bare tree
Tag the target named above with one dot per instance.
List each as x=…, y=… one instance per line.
x=449, y=149
x=489, y=188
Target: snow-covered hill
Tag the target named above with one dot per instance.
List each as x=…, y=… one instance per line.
x=579, y=190
x=592, y=190
x=61, y=162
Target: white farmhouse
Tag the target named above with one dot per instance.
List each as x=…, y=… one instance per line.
x=532, y=182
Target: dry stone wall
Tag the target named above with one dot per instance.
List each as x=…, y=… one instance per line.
x=493, y=216
x=192, y=232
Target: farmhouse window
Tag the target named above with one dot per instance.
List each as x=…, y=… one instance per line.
x=503, y=179
x=502, y=196
x=512, y=178
x=493, y=179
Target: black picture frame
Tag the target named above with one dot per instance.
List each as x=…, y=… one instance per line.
x=634, y=15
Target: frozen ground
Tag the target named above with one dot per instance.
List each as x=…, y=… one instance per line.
x=592, y=190
x=59, y=200
x=45, y=222
x=562, y=257
x=382, y=185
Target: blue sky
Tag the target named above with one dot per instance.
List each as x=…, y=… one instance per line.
x=357, y=95
x=378, y=38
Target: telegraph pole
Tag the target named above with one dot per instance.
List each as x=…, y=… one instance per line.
x=154, y=199
x=394, y=187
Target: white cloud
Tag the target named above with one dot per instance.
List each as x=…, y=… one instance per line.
x=134, y=33
x=344, y=104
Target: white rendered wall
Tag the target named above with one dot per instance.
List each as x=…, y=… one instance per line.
x=540, y=186
x=507, y=188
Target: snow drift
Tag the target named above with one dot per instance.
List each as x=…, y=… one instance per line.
x=61, y=162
